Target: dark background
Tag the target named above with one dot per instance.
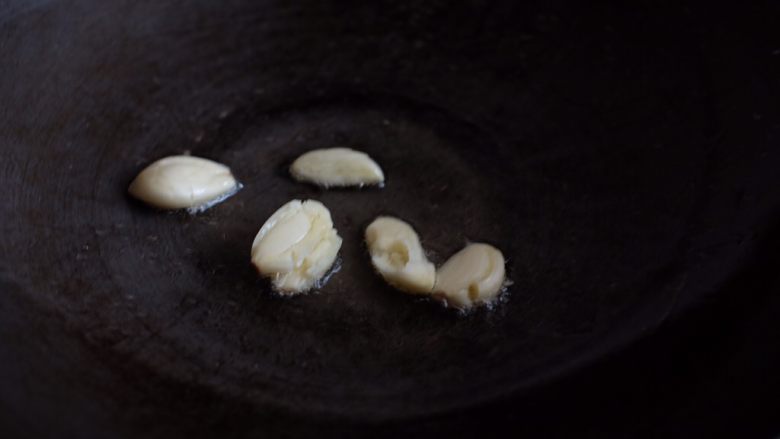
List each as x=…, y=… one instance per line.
x=709, y=369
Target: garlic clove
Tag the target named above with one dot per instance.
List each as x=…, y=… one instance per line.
x=337, y=167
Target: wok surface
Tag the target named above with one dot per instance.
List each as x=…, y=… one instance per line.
x=596, y=147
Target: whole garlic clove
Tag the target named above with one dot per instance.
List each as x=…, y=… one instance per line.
x=471, y=276
x=397, y=255
x=296, y=246
x=180, y=182
x=337, y=167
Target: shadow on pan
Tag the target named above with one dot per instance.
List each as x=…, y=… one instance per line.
x=607, y=162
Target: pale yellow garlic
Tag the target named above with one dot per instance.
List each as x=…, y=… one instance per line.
x=296, y=246
x=398, y=257
x=183, y=181
x=471, y=276
x=337, y=167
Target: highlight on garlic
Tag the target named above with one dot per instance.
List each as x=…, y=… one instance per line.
x=183, y=181
x=398, y=257
x=472, y=276
x=296, y=246
x=337, y=167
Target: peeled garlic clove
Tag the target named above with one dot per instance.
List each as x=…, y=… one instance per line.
x=397, y=255
x=471, y=276
x=337, y=167
x=296, y=246
x=182, y=181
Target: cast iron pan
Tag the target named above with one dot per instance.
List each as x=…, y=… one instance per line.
x=592, y=145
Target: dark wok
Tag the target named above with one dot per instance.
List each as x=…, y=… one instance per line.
x=618, y=156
